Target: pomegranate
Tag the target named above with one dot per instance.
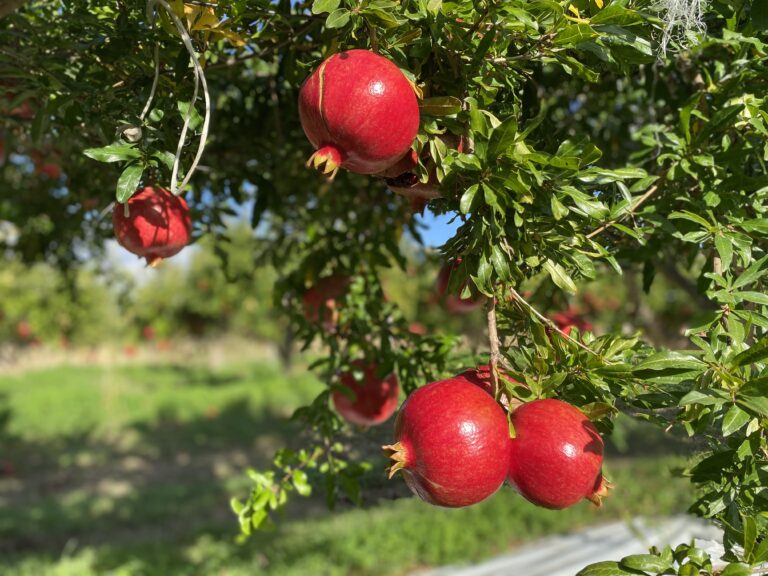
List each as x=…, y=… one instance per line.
x=360, y=113
x=372, y=401
x=320, y=300
x=452, y=443
x=481, y=376
x=557, y=455
x=156, y=225
x=401, y=178
x=453, y=302
x=570, y=319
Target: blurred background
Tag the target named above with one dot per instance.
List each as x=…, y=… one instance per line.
x=133, y=400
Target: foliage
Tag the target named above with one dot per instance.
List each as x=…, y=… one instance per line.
x=589, y=155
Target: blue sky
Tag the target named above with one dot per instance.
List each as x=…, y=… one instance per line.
x=439, y=228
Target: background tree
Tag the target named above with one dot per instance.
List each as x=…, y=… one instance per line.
x=590, y=154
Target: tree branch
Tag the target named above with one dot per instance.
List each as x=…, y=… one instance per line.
x=493, y=341
x=550, y=324
x=651, y=191
x=8, y=6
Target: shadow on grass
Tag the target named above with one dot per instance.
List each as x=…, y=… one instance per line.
x=178, y=489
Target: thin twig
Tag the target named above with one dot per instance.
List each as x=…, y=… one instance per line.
x=651, y=191
x=493, y=341
x=550, y=324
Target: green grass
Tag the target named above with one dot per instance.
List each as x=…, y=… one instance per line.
x=128, y=471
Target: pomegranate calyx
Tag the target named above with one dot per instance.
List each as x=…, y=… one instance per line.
x=327, y=160
x=602, y=491
x=396, y=452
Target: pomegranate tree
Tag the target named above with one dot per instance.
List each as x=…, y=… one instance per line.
x=557, y=455
x=368, y=402
x=153, y=224
x=359, y=112
x=452, y=443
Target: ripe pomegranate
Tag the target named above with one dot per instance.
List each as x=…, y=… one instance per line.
x=453, y=302
x=481, y=376
x=557, y=455
x=24, y=330
x=360, y=113
x=320, y=300
x=402, y=179
x=570, y=319
x=452, y=443
x=156, y=226
x=373, y=400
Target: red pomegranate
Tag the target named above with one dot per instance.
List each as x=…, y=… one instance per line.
x=570, y=319
x=452, y=444
x=481, y=376
x=359, y=111
x=402, y=179
x=320, y=299
x=156, y=224
x=372, y=401
x=453, y=302
x=557, y=455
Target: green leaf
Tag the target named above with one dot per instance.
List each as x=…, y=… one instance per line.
x=440, y=106
x=195, y=119
x=752, y=273
x=500, y=263
x=337, y=19
x=300, y=482
x=734, y=419
x=759, y=225
x=685, y=215
x=756, y=404
x=738, y=569
x=645, y=562
x=321, y=6
x=560, y=276
x=117, y=152
x=755, y=353
x=606, y=569
x=698, y=397
x=750, y=537
x=724, y=249
x=559, y=211
x=502, y=137
x=574, y=34
x=165, y=158
x=468, y=199
x=616, y=14
x=664, y=360
x=129, y=181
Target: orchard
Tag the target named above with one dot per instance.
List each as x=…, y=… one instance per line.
x=572, y=142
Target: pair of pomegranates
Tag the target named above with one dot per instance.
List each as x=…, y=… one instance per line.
x=454, y=449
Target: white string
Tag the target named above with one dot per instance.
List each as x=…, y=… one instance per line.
x=680, y=18
x=148, y=105
x=199, y=78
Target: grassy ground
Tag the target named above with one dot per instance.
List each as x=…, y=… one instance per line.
x=128, y=471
